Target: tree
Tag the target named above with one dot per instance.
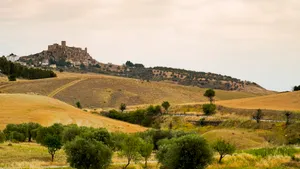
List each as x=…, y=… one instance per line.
x=130, y=149
x=129, y=64
x=292, y=133
x=53, y=143
x=78, y=104
x=210, y=94
x=88, y=154
x=296, y=88
x=166, y=105
x=223, y=148
x=190, y=151
x=288, y=117
x=122, y=107
x=146, y=150
x=209, y=109
x=70, y=133
x=2, y=137
x=16, y=132
x=258, y=115
x=31, y=129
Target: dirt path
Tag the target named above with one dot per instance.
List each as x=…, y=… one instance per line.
x=61, y=88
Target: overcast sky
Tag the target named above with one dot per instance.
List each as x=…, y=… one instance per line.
x=256, y=40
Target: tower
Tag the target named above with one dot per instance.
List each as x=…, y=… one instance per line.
x=63, y=43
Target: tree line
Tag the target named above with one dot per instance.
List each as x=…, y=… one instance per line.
x=15, y=70
x=92, y=148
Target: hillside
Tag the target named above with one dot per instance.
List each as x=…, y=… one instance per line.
x=19, y=108
x=76, y=59
x=94, y=90
x=282, y=101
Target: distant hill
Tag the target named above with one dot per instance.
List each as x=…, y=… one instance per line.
x=101, y=91
x=21, y=108
x=74, y=59
x=282, y=101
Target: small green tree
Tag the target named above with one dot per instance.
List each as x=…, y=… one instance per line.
x=210, y=94
x=53, y=143
x=166, y=105
x=146, y=150
x=122, y=107
x=209, y=109
x=78, y=104
x=88, y=154
x=130, y=149
x=288, y=117
x=187, y=152
x=31, y=130
x=258, y=115
x=223, y=148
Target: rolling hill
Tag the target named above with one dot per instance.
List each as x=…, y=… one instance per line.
x=95, y=90
x=21, y=108
x=283, y=101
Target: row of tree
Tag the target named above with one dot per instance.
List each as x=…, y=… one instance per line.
x=92, y=148
x=15, y=70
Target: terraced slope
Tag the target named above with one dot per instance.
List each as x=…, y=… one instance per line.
x=19, y=108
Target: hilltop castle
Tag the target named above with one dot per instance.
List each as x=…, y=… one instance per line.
x=56, y=54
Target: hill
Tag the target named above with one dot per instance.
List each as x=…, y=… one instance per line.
x=19, y=108
x=94, y=90
x=282, y=101
x=75, y=59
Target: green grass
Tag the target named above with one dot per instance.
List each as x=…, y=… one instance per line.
x=265, y=152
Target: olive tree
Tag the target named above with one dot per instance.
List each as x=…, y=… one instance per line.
x=88, y=154
x=146, y=150
x=258, y=115
x=210, y=94
x=130, y=149
x=223, y=148
x=122, y=107
x=186, y=152
x=166, y=105
x=53, y=143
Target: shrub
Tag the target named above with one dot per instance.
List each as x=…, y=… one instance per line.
x=223, y=148
x=293, y=133
x=191, y=151
x=209, y=109
x=78, y=105
x=88, y=154
x=12, y=78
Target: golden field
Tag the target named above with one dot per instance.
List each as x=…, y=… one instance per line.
x=95, y=90
x=21, y=108
x=283, y=101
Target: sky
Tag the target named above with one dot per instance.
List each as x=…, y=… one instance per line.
x=255, y=40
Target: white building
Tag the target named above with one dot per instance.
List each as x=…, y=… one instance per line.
x=12, y=57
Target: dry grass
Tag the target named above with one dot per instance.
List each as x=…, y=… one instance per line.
x=109, y=91
x=19, y=108
x=283, y=101
x=242, y=139
x=247, y=161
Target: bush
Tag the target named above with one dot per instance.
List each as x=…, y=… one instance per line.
x=191, y=151
x=265, y=152
x=209, y=109
x=122, y=107
x=12, y=78
x=78, y=105
x=88, y=154
x=293, y=133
